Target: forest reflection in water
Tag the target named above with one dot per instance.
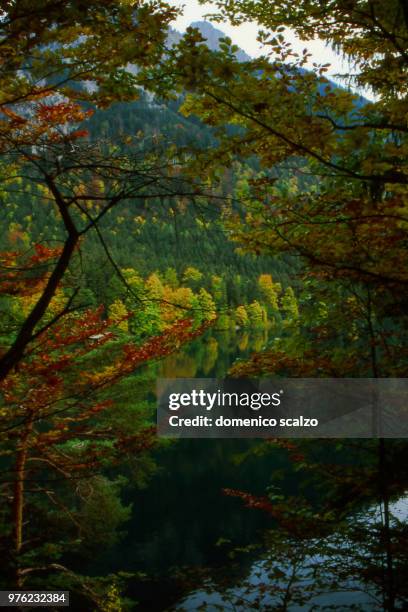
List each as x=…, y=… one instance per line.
x=311, y=575
x=203, y=549
x=212, y=355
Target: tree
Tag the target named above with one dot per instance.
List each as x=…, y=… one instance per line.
x=353, y=541
x=241, y=316
x=49, y=47
x=203, y=307
x=344, y=218
x=289, y=305
x=218, y=289
x=118, y=314
x=343, y=213
x=60, y=429
x=176, y=303
x=192, y=275
x=155, y=287
x=257, y=315
x=49, y=59
x=171, y=278
x=79, y=212
x=59, y=433
x=270, y=291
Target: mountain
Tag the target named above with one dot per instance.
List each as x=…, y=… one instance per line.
x=212, y=36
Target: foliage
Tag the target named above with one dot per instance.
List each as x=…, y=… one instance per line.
x=241, y=316
x=307, y=179
x=59, y=426
x=342, y=213
x=352, y=542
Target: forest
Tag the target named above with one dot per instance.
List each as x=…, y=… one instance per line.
x=172, y=207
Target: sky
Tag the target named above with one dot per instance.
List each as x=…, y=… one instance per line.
x=245, y=35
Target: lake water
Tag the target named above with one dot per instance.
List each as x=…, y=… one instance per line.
x=182, y=514
x=183, y=520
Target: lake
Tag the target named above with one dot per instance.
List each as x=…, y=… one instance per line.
x=184, y=526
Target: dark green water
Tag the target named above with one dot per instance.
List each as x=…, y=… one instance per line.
x=182, y=514
x=182, y=519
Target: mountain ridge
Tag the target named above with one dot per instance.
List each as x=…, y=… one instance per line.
x=211, y=34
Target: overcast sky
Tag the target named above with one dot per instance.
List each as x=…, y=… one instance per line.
x=245, y=35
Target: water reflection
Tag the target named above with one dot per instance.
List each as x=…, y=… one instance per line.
x=212, y=355
x=314, y=576
x=183, y=520
x=182, y=515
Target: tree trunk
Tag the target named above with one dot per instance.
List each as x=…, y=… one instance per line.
x=15, y=353
x=18, y=500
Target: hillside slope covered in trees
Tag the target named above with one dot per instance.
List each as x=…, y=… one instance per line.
x=160, y=203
